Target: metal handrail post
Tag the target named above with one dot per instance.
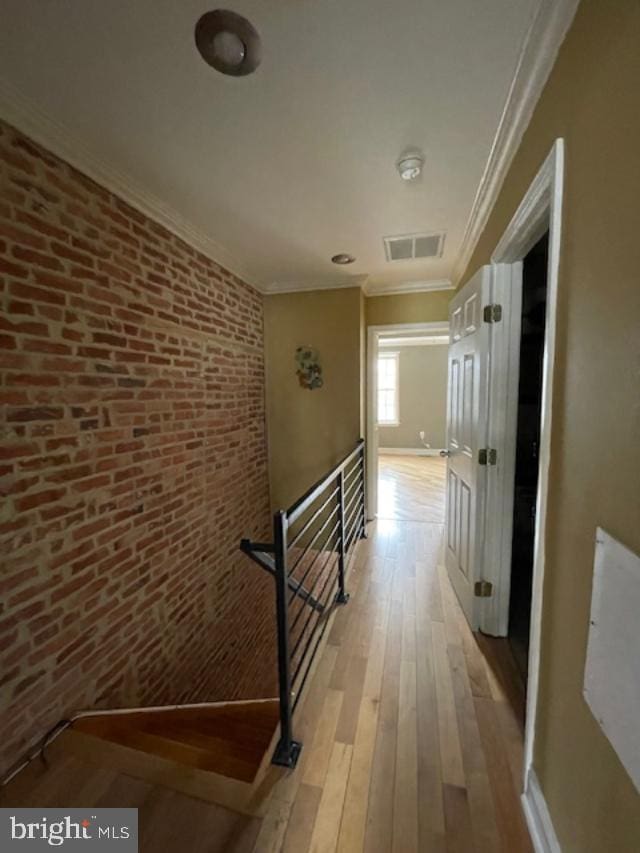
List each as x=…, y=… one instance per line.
x=287, y=750
x=342, y=596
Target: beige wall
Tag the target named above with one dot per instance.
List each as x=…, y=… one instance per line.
x=309, y=431
x=592, y=99
x=408, y=308
x=422, y=398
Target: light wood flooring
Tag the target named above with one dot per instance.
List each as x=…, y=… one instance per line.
x=411, y=726
x=411, y=488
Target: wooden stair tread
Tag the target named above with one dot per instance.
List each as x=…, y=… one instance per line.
x=169, y=821
x=211, y=760
x=230, y=740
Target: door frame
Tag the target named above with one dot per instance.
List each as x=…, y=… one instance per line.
x=539, y=211
x=373, y=336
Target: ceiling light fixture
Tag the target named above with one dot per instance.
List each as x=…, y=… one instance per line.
x=410, y=166
x=228, y=42
x=342, y=258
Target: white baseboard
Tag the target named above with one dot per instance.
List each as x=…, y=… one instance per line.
x=409, y=451
x=538, y=819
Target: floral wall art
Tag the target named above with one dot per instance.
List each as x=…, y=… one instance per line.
x=309, y=369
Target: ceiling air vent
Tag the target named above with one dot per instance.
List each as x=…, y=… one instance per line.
x=409, y=247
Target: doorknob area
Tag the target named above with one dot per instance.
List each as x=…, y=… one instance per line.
x=445, y=453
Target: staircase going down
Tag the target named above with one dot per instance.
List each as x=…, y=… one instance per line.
x=218, y=753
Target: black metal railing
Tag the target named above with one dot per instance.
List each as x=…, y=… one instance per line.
x=312, y=543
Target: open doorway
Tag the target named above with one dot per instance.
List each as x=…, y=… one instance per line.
x=527, y=461
x=407, y=421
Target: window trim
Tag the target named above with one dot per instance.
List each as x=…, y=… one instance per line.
x=392, y=355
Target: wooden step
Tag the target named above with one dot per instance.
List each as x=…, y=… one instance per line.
x=168, y=821
x=218, y=753
x=230, y=740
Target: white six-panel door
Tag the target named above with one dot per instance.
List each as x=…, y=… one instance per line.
x=466, y=432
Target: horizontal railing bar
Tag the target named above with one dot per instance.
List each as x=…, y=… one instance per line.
x=356, y=528
x=355, y=485
x=267, y=562
x=319, y=553
x=359, y=523
x=313, y=518
x=258, y=554
x=329, y=554
x=358, y=505
x=351, y=538
x=305, y=595
x=349, y=529
x=312, y=542
x=354, y=497
x=356, y=469
x=297, y=690
x=296, y=510
x=330, y=577
x=268, y=547
x=330, y=584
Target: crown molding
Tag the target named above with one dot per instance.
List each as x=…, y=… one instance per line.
x=25, y=116
x=362, y=281
x=407, y=287
x=276, y=287
x=537, y=57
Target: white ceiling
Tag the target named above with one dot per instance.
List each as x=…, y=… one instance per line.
x=295, y=163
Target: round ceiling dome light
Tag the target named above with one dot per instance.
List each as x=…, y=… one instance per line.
x=410, y=166
x=342, y=258
x=228, y=42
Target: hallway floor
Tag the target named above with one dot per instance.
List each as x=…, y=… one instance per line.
x=411, y=726
x=411, y=488
x=412, y=729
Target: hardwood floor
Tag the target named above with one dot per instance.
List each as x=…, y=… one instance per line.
x=412, y=726
x=411, y=488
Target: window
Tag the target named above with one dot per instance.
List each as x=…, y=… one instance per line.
x=388, y=389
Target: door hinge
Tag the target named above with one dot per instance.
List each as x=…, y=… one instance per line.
x=492, y=313
x=488, y=456
x=483, y=589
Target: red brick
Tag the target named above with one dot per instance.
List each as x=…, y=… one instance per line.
x=15, y=451
x=38, y=413
x=92, y=483
x=57, y=282
x=41, y=225
x=24, y=327
x=63, y=251
x=66, y=475
x=19, y=235
x=31, y=501
x=43, y=380
x=36, y=294
x=124, y=564
x=9, y=268
x=38, y=259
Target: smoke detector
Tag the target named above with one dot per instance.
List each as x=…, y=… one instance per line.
x=410, y=166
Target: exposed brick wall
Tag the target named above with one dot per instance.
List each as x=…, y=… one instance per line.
x=132, y=459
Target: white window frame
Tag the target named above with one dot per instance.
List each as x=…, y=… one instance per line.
x=395, y=357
